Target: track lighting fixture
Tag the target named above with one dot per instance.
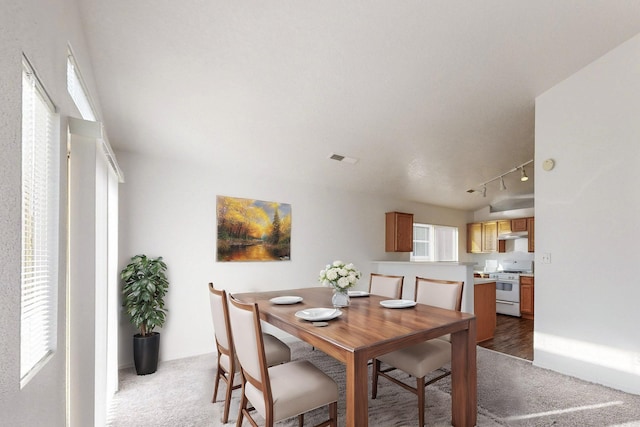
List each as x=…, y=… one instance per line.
x=523, y=177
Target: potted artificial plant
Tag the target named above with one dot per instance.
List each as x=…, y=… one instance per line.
x=144, y=287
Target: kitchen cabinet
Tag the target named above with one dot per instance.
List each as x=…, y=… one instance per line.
x=504, y=226
x=490, y=236
x=482, y=237
x=399, y=232
x=531, y=233
x=526, y=297
x=474, y=238
x=519, y=224
x=484, y=308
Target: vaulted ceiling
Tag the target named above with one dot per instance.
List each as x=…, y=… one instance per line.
x=432, y=97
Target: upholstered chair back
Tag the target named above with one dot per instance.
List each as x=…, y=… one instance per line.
x=386, y=286
x=439, y=293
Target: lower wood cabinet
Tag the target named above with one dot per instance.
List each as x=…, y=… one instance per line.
x=484, y=307
x=526, y=297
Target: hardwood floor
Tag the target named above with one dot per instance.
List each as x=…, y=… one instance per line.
x=513, y=336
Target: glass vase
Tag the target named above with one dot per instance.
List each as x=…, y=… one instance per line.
x=340, y=298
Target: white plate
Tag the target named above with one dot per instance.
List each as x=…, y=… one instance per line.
x=317, y=314
x=286, y=300
x=356, y=294
x=397, y=303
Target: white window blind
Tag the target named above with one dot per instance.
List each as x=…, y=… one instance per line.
x=434, y=243
x=40, y=183
x=77, y=90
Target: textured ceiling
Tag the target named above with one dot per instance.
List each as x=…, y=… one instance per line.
x=432, y=97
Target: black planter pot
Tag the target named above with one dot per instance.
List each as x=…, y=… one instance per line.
x=145, y=353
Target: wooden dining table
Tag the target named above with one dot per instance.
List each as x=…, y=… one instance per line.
x=366, y=329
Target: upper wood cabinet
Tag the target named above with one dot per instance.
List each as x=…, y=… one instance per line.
x=399, y=232
x=504, y=226
x=474, y=238
x=531, y=233
x=519, y=224
x=482, y=237
x=490, y=236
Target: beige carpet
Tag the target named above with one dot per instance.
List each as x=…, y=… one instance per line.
x=511, y=392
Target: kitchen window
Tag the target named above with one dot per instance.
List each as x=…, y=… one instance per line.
x=40, y=194
x=434, y=243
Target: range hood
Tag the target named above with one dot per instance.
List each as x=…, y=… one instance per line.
x=513, y=235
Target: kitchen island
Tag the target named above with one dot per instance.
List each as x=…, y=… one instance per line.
x=485, y=308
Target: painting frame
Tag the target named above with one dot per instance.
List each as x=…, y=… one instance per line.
x=250, y=230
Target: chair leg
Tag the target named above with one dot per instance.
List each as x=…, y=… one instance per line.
x=301, y=420
x=374, y=378
x=420, y=393
x=243, y=404
x=215, y=387
x=333, y=414
x=227, y=400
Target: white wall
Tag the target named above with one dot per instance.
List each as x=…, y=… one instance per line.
x=41, y=30
x=168, y=208
x=587, y=218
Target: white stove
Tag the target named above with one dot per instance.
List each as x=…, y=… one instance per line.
x=508, y=286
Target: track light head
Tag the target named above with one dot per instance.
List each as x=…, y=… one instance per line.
x=502, y=186
x=523, y=175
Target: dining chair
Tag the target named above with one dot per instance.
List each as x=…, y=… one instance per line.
x=386, y=286
x=277, y=392
x=421, y=359
x=275, y=350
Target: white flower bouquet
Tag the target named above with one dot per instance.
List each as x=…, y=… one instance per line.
x=339, y=275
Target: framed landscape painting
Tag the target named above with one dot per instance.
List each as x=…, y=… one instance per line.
x=253, y=230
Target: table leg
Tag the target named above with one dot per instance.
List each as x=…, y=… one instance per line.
x=357, y=389
x=464, y=377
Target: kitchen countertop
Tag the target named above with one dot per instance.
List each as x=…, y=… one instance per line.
x=479, y=281
x=487, y=274
x=429, y=263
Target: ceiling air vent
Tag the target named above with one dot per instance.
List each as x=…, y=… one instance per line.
x=341, y=158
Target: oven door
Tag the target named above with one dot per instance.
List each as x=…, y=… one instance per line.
x=508, y=298
x=507, y=291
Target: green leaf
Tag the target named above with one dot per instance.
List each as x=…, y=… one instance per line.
x=144, y=285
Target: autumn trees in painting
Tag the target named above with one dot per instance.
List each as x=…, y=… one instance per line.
x=253, y=230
